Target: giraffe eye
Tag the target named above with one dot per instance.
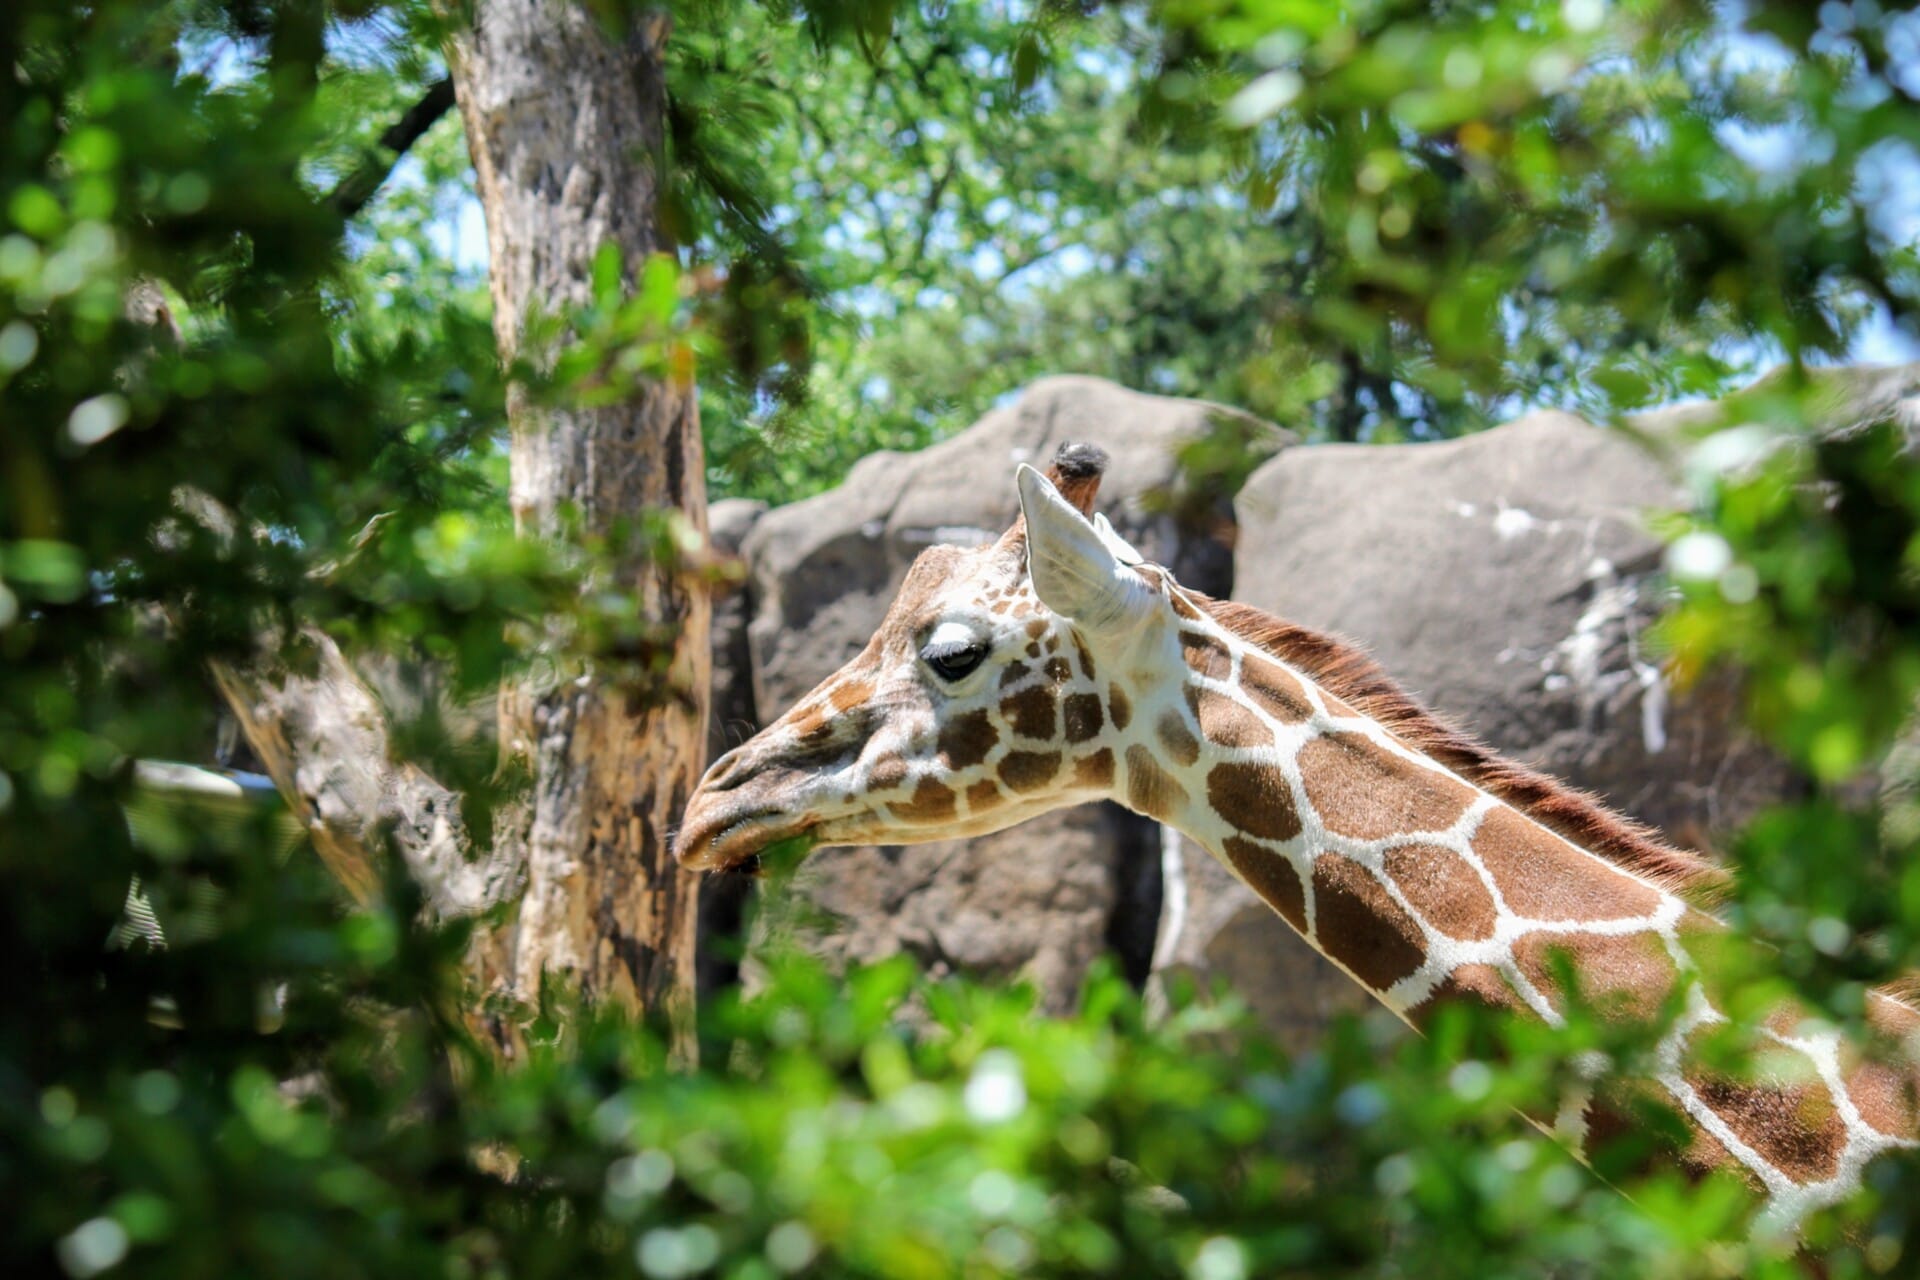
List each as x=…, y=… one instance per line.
x=954, y=661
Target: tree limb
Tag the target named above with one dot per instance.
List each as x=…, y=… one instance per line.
x=324, y=739
x=358, y=187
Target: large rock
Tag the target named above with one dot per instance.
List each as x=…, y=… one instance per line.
x=1039, y=902
x=1046, y=898
x=1507, y=579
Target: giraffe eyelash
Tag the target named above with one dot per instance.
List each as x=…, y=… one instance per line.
x=955, y=660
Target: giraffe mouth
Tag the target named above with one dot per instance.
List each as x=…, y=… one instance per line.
x=731, y=842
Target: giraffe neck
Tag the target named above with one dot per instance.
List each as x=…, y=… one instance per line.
x=1426, y=884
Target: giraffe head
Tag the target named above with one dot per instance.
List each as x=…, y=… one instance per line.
x=1003, y=683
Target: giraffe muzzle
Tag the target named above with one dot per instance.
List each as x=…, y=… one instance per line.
x=719, y=840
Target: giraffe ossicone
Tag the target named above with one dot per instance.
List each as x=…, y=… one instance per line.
x=1056, y=665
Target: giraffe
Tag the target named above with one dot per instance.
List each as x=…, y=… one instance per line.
x=1056, y=666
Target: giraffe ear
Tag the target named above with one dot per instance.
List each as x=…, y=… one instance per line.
x=1074, y=570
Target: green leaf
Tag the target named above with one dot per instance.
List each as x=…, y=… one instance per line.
x=609, y=276
x=53, y=571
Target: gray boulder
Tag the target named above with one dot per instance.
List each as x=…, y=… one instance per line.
x=1040, y=902
x=1046, y=898
x=1506, y=579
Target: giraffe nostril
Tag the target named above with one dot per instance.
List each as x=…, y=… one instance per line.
x=726, y=773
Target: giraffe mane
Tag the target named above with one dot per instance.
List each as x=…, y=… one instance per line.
x=1356, y=679
x=1904, y=990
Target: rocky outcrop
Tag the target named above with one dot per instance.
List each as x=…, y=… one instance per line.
x=1507, y=579
x=1045, y=899
x=1039, y=902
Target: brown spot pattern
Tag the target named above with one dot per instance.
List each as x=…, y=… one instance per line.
x=1254, y=798
x=813, y=727
x=1031, y=713
x=1174, y=735
x=1224, y=721
x=1892, y=1017
x=1206, y=654
x=932, y=801
x=1542, y=878
x=1118, y=707
x=850, y=694
x=1181, y=606
x=1360, y=927
x=1632, y=974
x=1478, y=983
x=1274, y=688
x=1795, y=1128
x=1151, y=789
x=1086, y=658
x=1269, y=874
x=1081, y=716
x=1617, y=1137
x=1025, y=771
x=1059, y=670
x=966, y=739
x=1362, y=790
x=1344, y=673
x=1016, y=672
x=887, y=773
x=1036, y=628
x=1884, y=1096
x=1705, y=1152
x=983, y=795
x=1444, y=888
x=1095, y=770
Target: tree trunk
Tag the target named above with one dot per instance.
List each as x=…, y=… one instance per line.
x=565, y=128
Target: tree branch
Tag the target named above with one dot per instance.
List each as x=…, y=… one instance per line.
x=323, y=737
x=358, y=187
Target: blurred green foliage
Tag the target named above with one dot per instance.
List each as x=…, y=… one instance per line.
x=1365, y=220
x=1596, y=205
x=1799, y=567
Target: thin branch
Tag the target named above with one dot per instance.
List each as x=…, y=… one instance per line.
x=1033, y=258
x=929, y=211
x=358, y=187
